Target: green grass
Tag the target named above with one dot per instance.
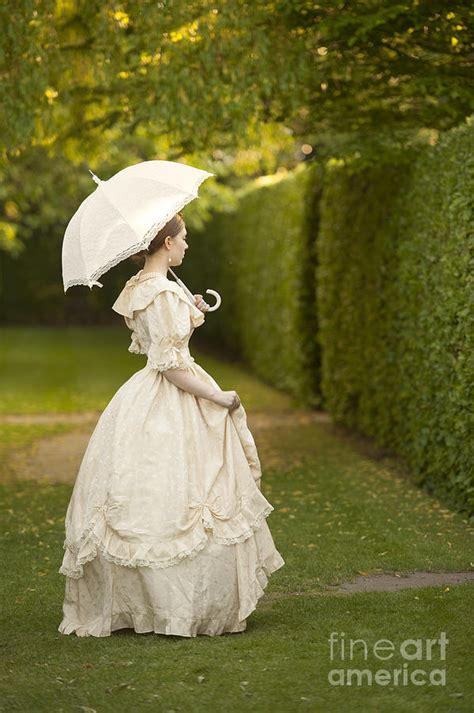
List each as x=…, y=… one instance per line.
x=80, y=368
x=337, y=513
x=341, y=514
x=282, y=661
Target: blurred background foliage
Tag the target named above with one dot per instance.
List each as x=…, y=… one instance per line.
x=204, y=72
x=240, y=89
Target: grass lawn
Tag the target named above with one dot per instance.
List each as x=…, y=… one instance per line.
x=337, y=513
x=79, y=368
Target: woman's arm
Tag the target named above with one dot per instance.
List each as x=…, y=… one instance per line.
x=191, y=383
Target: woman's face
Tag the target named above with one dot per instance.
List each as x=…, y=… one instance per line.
x=179, y=247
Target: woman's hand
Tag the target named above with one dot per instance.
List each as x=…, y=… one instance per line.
x=200, y=303
x=228, y=399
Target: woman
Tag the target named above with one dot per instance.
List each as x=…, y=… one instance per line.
x=166, y=527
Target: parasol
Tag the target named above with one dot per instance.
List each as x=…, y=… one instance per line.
x=123, y=215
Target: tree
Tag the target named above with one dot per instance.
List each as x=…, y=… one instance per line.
x=206, y=73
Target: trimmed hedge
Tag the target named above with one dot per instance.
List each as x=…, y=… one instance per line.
x=260, y=256
x=395, y=301
x=352, y=288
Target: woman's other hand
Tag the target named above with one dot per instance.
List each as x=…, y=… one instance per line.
x=200, y=303
x=228, y=399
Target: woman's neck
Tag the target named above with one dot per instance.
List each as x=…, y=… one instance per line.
x=156, y=265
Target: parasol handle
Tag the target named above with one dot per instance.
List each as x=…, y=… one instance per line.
x=191, y=296
x=217, y=302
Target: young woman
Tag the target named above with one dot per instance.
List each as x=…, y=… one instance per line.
x=166, y=528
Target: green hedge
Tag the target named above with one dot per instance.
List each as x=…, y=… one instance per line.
x=260, y=256
x=395, y=301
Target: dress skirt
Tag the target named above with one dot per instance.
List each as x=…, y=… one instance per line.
x=166, y=529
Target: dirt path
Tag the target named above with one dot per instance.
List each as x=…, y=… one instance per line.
x=385, y=583
x=47, y=418
x=54, y=459
x=393, y=583
x=57, y=458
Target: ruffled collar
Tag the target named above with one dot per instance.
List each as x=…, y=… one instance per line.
x=141, y=289
x=141, y=277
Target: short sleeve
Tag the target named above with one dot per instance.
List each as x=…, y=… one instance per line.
x=169, y=324
x=135, y=345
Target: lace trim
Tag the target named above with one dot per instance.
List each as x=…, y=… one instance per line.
x=173, y=360
x=135, y=346
x=99, y=545
x=90, y=535
x=136, y=247
x=247, y=533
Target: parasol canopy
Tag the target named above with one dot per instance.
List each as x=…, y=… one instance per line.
x=123, y=215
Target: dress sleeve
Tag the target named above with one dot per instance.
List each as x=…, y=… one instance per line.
x=170, y=325
x=135, y=345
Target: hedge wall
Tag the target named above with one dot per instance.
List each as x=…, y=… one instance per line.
x=260, y=256
x=395, y=301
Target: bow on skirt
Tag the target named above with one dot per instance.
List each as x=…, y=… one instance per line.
x=210, y=510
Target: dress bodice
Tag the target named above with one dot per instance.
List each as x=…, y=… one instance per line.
x=161, y=318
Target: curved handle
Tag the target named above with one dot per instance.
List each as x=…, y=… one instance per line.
x=191, y=296
x=218, y=300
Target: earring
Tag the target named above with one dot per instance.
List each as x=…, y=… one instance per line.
x=169, y=259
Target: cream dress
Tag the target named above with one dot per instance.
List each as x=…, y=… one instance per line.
x=166, y=527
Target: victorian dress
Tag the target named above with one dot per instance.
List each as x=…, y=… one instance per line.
x=166, y=527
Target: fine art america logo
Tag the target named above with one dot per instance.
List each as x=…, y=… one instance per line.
x=417, y=662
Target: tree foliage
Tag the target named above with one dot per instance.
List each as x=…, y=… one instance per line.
x=236, y=87
x=206, y=73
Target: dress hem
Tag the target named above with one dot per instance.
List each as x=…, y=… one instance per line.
x=141, y=623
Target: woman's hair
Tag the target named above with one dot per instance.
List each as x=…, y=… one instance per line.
x=171, y=229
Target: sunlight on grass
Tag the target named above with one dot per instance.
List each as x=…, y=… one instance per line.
x=80, y=368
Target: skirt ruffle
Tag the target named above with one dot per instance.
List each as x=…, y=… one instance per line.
x=99, y=536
